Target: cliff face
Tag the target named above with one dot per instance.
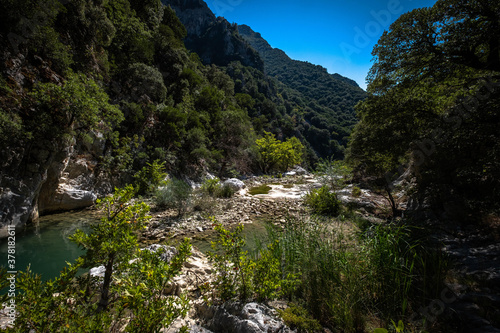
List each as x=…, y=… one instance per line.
x=214, y=39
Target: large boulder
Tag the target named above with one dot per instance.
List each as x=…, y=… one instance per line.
x=249, y=318
x=234, y=184
x=298, y=170
x=66, y=197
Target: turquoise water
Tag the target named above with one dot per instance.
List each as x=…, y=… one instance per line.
x=47, y=247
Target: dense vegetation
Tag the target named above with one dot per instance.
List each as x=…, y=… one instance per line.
x=119, y=71
x=434, y=107
x=129, y=295
x=77, y=72
x=325, y=101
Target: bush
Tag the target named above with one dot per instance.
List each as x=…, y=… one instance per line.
x=176, y=194
x=332, y=173
x=213, y=187
x=323, y=202
x=234, y=268
x=150, y=177
x=356, y=192
x=296, y=317
x=225, y=191
x=239, y=276
x=129, y=297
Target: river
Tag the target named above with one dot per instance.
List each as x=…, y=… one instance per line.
x=46, y=247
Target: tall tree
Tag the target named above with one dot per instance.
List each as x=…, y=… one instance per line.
x=433, y=94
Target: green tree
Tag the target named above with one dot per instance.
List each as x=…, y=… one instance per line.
x=289, y=153
x=131, y=291
x=77, y=106
x=281, y=155
x=113, y=242
x=433, y=87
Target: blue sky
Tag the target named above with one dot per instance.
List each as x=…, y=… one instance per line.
x=337, y=34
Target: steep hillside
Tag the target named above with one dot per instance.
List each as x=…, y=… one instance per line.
x=333, y=96
x=91, y=93
x=215, y=40
x=300, y=100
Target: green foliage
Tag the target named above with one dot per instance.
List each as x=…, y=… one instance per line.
x=175, y=194
x=434, y=86
x=399, y=328
x=234, y=267
x=129, y=297
x=356, y=192
x=333, y=173
x=262, y=189
x=225, y=192
x=121, y=222
x=267, y=279
x=380, y=330
x=146, y=83
x=213, y=187
x=281, y=155
x=144, y=282
x=79, y=103
x=342, y=280
x=296, y=317
x=323, y=202
x=326, y=101
x=150, y=176
x=244, y=278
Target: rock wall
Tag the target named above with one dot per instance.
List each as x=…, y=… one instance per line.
x=50, y=178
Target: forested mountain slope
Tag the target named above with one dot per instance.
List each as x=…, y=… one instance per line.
x=303, y=100
x=92, y=92
x=332, y=96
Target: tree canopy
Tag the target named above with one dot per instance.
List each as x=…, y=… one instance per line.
x=433, y=102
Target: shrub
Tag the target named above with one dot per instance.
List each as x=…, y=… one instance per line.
x=211, y=186
x=176, y=194
x=215, y=188
x=234, y=268
x=323, y=202
x=239, y=276
x=225, y=191
x=129, y=297
x=333, y=173
x=356, y=192
x=296, y=317
x=150, y=176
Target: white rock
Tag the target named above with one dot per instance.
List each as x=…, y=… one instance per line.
x=234, y=184
x=97, y=271
x=167, y=255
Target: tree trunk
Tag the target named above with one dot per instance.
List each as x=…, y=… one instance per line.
x=394, y=206
x=104, y=301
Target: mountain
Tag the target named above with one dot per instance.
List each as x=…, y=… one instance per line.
x=324, y=102
x=334, y=94
x=91, y=93
x=214, y=39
